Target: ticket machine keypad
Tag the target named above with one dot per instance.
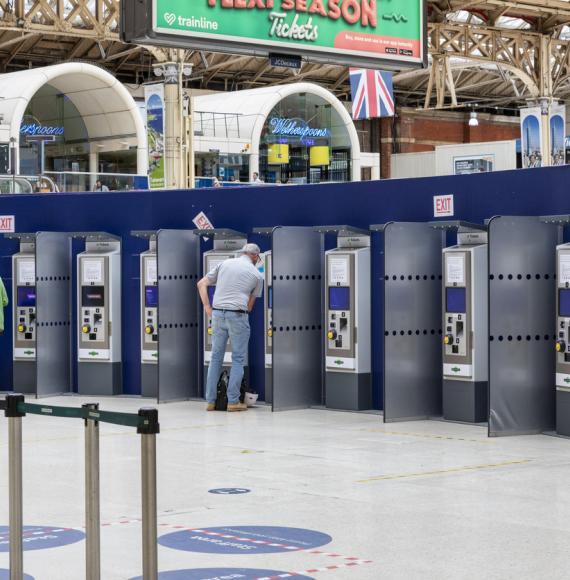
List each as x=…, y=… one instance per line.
x=339, y=326
x=151, y=325
x=455, y=338
x=26, y=326
x=93, y=327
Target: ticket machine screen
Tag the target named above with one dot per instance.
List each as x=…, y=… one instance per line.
x=455, y=299
x=93, y=296
x=339, y=298
x=151, y=296
x=26, y=296
x=563, y=302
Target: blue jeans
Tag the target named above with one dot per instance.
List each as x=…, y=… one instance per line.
x=235, y=326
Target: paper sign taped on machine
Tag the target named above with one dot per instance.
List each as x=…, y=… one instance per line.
x=355, y=32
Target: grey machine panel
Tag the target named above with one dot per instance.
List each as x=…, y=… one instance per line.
x=412, y=321
x=297, y=318
x=522, y=267
x=178, y=348
x=53, y=290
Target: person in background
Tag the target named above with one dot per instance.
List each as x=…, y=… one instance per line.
x=256, y=180
x=100, y=187
x=238, y=285
x=3, y=304
x=216, y=182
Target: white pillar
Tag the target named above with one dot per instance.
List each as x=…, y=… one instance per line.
x=93, y=168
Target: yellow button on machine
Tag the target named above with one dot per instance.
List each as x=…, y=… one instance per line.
x=331, y=334
x=448, y=339
x=270, y=332
x=21, y=328
x=210, y=331
x=149, y=329
x=560, y=346
x=85, y=329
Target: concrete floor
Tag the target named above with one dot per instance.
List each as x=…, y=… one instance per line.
x=421, y=500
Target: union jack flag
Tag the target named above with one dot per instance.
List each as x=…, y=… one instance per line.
x=372, y=93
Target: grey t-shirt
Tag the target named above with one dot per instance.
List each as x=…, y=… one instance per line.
x=235, y=280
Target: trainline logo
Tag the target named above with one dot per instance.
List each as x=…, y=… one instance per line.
x=170, y=17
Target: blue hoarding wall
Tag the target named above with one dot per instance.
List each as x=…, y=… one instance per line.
x=477, y=197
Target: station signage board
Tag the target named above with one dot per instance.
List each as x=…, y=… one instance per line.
x=371, y=33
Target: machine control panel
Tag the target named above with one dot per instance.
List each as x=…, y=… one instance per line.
x=562, y=344
x=340, y=309
x=211, y=260
x=149, y=308
x=457, y=313
x=24, y=306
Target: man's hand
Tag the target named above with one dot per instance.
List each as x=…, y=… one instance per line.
x=209, y=311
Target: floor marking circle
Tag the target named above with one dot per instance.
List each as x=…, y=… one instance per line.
x=229, y=490
x=244, y=540
x=42, y=537
x=5, y=575
x=226, y=574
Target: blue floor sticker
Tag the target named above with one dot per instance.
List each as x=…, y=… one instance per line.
x=42, y=537
x=5, y=575
x=225, y=574
x=229, y=490
x=244, y=540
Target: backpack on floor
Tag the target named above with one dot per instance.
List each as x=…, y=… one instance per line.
x=222, y=392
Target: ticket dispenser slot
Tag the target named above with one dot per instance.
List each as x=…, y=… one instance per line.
x=99, y=315
x=24, y=320
x=465, y=324
x=227, y=244
x=348, y=383
x=562, y=344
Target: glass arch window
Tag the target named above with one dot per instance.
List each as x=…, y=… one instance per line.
x=304, y=140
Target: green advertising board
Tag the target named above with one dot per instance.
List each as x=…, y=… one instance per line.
x=355, y=32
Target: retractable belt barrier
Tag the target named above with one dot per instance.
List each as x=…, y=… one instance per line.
x=146, y=424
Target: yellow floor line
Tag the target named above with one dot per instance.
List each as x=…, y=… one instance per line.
x=428, y=436
x=445, y=471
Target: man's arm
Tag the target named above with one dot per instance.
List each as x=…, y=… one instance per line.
x=251, y=302
x=203, y=291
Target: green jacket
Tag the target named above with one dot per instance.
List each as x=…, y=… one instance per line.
x=3, y=303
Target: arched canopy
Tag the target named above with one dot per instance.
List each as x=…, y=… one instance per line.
x=251, y=108
x=106, y=107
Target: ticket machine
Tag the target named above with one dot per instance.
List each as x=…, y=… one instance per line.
x=24, y=317
x=465, y=324
x=99, y=369
x=563, y=340
x=148, y=292
x=348, y=379
x=268, y=320
x=227, y=243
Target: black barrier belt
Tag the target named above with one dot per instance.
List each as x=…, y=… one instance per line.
x=125, y=419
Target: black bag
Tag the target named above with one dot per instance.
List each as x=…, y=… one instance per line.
x=222, y=393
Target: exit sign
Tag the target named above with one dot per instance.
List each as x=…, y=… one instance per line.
x=443, y=206
x=7, y=224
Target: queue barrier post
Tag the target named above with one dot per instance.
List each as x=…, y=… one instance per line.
x=147, y=425
x=148, y=433
x=14, y=415
x=92, y=498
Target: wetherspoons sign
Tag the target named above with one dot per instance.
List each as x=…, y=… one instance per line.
x=350, y=31
x=295, y=128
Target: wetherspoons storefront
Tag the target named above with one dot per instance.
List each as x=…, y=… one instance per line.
x=74, y=123
x=297, y=133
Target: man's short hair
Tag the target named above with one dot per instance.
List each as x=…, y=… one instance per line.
x=251, y=249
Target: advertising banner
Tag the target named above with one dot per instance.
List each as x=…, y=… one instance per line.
x=355, y=32
x=557, y=134
x=154, y=101
x=473, y=164
x=531, y=138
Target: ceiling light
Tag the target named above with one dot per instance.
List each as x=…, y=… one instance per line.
x=473, y=121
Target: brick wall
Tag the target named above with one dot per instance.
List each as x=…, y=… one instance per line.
x=413, y=132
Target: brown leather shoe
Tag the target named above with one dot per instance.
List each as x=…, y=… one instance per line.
x=211, y=407
x=237, y=407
